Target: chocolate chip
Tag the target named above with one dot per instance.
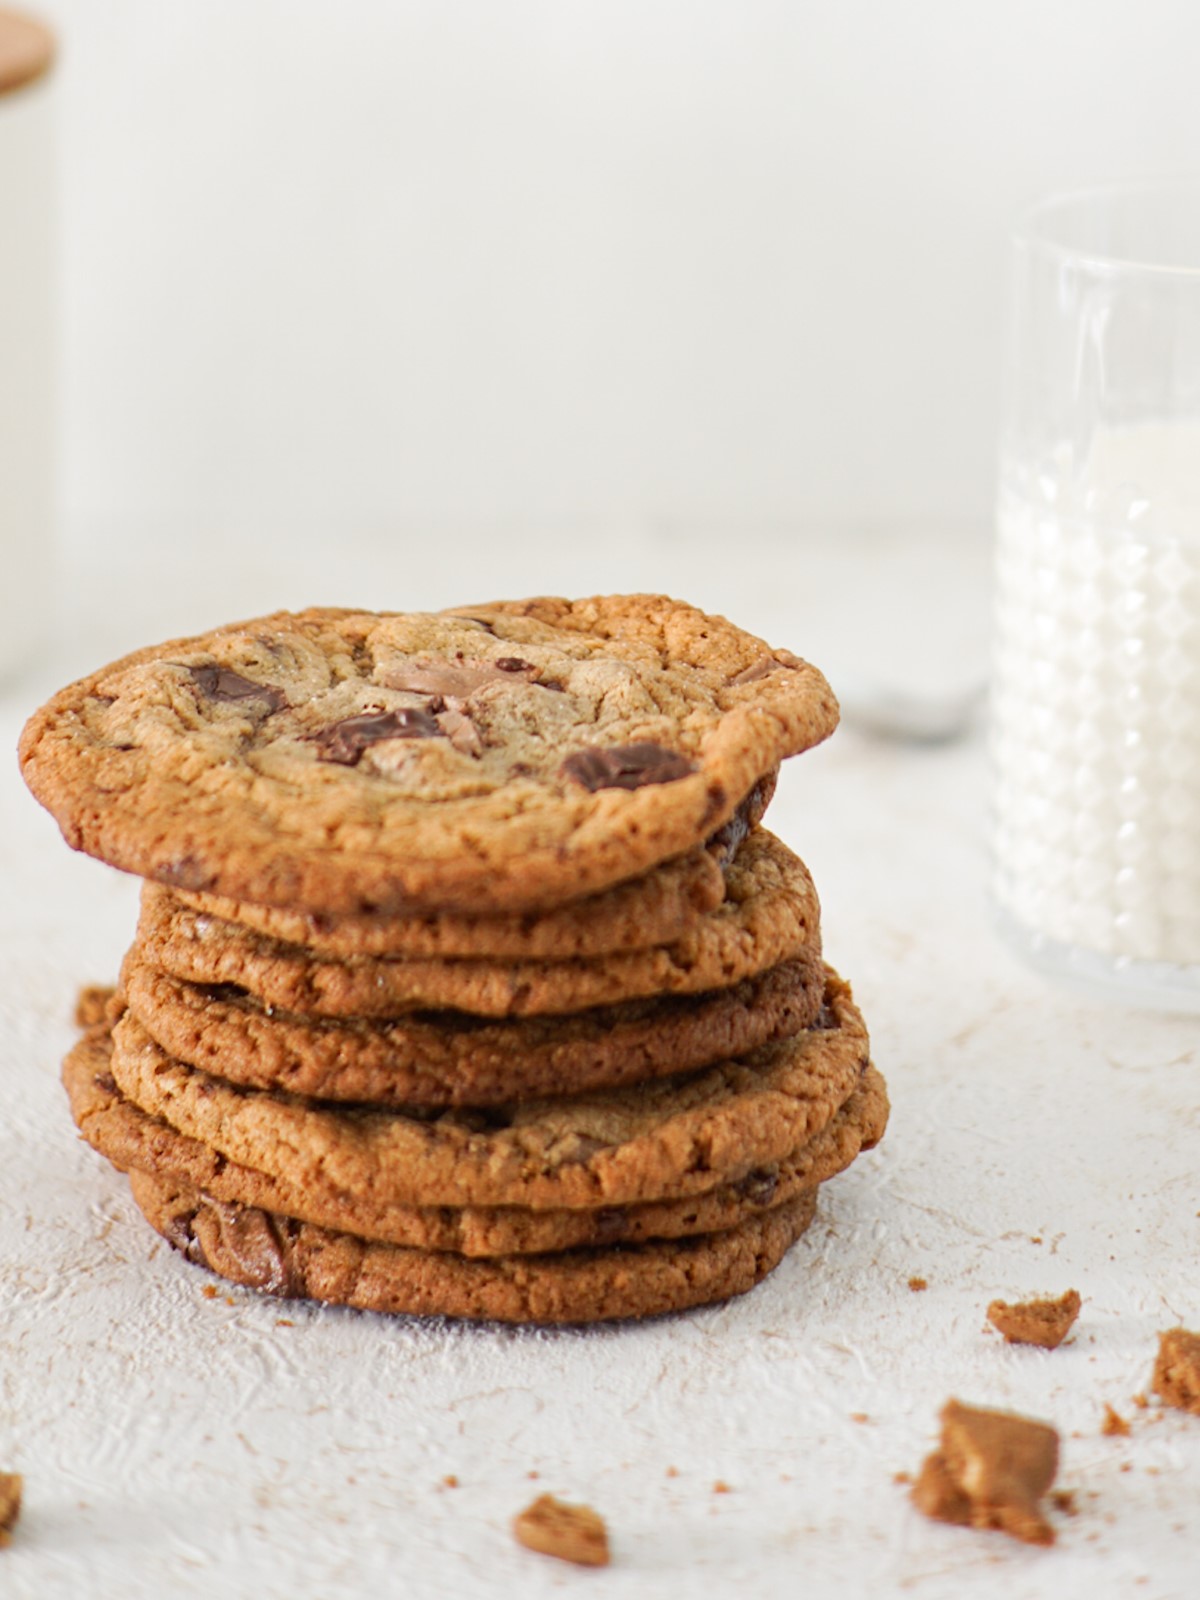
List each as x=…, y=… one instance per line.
x=609, y=1225
x=826, y=1019
x=762, y=668
x=758, y=1187
x=626, y=766
x=248, y=1245
x=106, y=1081
x=345, y=741
x=514, y=664
x=725, y=842
x=185, y=872
x=227, y=687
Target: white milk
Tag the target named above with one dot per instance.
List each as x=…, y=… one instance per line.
x=1096, y=698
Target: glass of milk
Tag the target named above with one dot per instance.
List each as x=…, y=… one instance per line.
x=1096, y=647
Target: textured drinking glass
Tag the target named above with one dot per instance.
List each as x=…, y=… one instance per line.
x=1096, y=646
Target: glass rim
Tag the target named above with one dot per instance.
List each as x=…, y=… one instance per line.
x=1030, y=231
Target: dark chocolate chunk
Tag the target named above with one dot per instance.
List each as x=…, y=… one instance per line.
x=345, y=741
x=758, y=1187
x=184, y=872
x=626, y=766
x=726, y=841
x=514, y=664
x=227, y=687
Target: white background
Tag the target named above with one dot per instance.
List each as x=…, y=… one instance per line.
x=546, y=271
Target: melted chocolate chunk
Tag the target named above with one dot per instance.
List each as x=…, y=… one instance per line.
x=106, y=1081
x=724, y=844
x=513, y=664
x=345, y=741
x=239, y=1242
x=626, y=766
x=227, y=687
x=825, y=1020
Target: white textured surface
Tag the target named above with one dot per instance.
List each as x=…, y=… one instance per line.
x=179, y=1445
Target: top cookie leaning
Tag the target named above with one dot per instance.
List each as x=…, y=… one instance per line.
x=500, y=757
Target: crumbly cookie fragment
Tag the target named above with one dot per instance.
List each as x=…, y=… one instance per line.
x=11, y=1484
x=91, y=1005
x=1041, y=1322
x=991, y=1470
x=1176, y=1377
x=554, y=1528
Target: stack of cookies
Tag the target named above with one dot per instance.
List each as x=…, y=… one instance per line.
x=467, y=981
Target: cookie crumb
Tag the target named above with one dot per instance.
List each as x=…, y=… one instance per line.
x=570, y=1533
x=1142, y=1401
x=1114, y=1424
x=11, y=1484
x=91, y=1006
x=450, y=1481
x=209, y=1291
x=901, y=1477
x=533, y=1473
x=1176, y=1378
x=284, y=1322
x=859, y=1416
x=721, y=1487
x=990, y=1471
x=1035, y=1238
x=672, y=1472
x=1064, y=1500
x=1041, y=1322
x=918, y=1285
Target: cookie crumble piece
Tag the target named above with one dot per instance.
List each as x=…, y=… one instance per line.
x=11, y=1484
x=1114, y=1425
x=1041, y=1322
x=918, y=1285
x=1176, y=1378
x=571, y=1533
x=991, y=1470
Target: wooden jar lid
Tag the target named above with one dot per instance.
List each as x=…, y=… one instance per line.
x=26, y=50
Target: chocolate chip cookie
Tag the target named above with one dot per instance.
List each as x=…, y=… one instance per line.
x=670, y=1139
x=658, y=907
x=133, y=1141
x=497, y=758
x=770, y=914
x=295, y=1259
x=447, y=1058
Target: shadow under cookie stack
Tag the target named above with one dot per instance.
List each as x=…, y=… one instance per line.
x=467, y=981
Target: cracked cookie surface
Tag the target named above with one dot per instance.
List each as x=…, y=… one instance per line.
x=502, y=757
